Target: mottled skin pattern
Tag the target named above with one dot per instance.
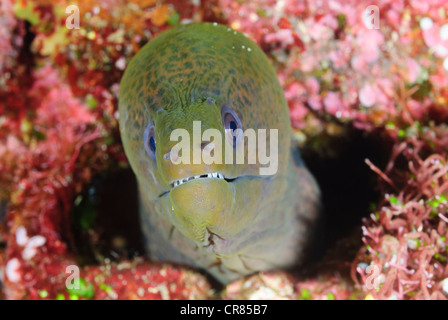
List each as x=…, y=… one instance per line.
x=228, y=228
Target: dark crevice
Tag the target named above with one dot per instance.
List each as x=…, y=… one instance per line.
x=348, y=185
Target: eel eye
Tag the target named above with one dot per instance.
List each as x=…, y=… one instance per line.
x=232, y=125
x=149, y=139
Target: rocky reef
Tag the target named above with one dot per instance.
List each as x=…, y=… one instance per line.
x=59, y=142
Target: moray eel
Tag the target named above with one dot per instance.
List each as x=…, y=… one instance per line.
x=225, y=218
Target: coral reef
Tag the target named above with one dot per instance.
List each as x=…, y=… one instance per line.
x=58, y=130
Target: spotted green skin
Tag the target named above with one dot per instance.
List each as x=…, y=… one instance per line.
x=228, y=229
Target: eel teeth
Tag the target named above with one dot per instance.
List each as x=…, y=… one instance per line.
x=216, y=175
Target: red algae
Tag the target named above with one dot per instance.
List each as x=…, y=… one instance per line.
x=406, y=237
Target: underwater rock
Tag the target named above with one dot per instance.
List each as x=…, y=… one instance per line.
x=267, y=285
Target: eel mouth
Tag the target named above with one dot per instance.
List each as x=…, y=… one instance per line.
x=210, y=175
